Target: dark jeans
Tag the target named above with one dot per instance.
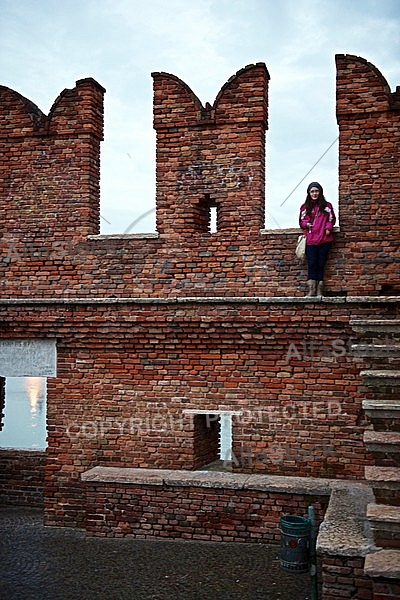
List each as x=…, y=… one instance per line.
x=316, y=259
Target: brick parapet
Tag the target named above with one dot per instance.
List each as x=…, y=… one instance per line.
x=220, y=264
x=208, y=158
x=156, y=504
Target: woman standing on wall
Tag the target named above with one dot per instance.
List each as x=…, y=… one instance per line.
x=317, y=219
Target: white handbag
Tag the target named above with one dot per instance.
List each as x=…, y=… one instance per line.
x=301, y=247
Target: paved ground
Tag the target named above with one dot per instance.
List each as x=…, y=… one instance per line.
x=42, y=563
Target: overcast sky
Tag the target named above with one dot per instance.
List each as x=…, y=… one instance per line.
x=46, y=45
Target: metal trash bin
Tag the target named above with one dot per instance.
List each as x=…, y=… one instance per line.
x=295, y=543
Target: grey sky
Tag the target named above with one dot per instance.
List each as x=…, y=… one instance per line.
x=46, y=45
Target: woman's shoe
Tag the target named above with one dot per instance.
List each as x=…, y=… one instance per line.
x=320, y=288
x=312, y=288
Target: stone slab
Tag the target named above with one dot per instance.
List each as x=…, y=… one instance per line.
x=217, y=479
x=123, y=475
x=383, y=513
x=28, y=358
x=385, y=563
x=289, y=485
x=382, y=441
x=345, y=530
x=208, y=479
x=382, y=475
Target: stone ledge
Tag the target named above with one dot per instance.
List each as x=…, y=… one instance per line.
x=345, y=530
x=380, y=374
x=205, y=300
x=374, y=322
x=288, y=485
x=123, y=236
x=375, y=325
x=376, y=350
x=122, y=475
x=385, y=563
x=216, y=479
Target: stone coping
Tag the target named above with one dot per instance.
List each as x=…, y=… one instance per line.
x=207, y=300
x=380, y=374
x=123, y=236
x=208, y=479
x=345, y=530
x=381, y=476
x=374, y=322
x=383, y=513
x=156, y=234
x=217, y=479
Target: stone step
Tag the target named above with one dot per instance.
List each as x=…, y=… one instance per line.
x=382, y=382
x=376, y=326
x=382, y=441
x=380, y=408
x=385, y=482
x=384, y=521
x=384, y=564
x=376, y=351
x=381, y=376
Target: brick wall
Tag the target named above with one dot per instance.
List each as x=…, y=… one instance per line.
x=124, y=366
x=211, y=156
x=22, y=477
x=49, y=166
x=343, y=577
x=197, y=513
x=368, y=115
x=128, y=371
x=206, y=156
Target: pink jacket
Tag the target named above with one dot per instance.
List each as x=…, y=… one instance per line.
x=322, y=224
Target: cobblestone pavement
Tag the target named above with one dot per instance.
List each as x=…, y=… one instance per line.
x=47, y=563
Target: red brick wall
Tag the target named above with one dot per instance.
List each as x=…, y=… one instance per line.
x=49, y=182
x=343, y=577
x=118, y=510
x=49, y=166
x=128, y=371
x=151, y=360
x=369, y=187
x=215, y=153
x=22, y=477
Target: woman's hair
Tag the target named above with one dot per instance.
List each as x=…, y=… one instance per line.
x=322, y=203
